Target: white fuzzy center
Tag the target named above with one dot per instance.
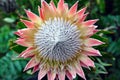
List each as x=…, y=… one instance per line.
x=58, y=39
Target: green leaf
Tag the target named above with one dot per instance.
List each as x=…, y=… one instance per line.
x=55, y=2
x=103, y=39
x=9, y=20
x=104, y=32
x=18, y=48
x=20, y=25
x=101, y=4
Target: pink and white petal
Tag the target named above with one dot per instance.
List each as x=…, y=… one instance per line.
x=47, y=10
x=42, y=0
x=28, y=50
x=86, y=61
x=28, y=24
x=53, y=6
x=91, y=52
x=87, y=31
x=51, y=75
x=73, y=9
x=31, y=64
x=82, y=18
x=68, y=74
x=79, y=71
x=92, y=29
x=72, y=71
x=61, y=75
x=18, y=33
x=41, y=13
x=90, y=22
x=95, y=31
x=45, y=6
x=36, y=68
x=81, y=12
x=60, y=5
x=92, y=42
x=33, y=17
x=29, y=55
x=66, y=6
x=42, y=73
x=84, y=65
x=27, y=33
x=22, y=42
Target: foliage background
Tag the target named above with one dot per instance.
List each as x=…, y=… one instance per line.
x=108, y=13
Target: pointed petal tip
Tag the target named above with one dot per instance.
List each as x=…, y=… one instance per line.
x=76, y=3
x=61, y=76
x=36, y=68
x=62, y=1
x=51, y=75
x=27, y=23
x=69, y=75
x=85, y=60
x=38, y=6
x=84, y=78
x=26, y=10
x=19, y=56
x=81, y=12
x=95, y=20
x=21, y=42
x=103, y=42
x=86, y=14
x=73, y=9
x=31, y=63
x=41, y=74
x=84, y=8
x=90, y=22
x=93, y=42
x=42, y=1
x=89, y=51
x=60, y=5
x=24, y=69
x=100, y=54
x=17, y=33
x=33, y=17
x=22, y=20
x=80, y=71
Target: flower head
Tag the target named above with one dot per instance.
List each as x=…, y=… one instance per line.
x=58, y=41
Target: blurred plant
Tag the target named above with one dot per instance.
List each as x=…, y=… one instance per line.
x=11, y=69
x=8, y=5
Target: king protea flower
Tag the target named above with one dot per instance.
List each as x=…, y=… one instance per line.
x=58, y=41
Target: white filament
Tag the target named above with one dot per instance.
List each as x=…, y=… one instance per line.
x=58, y=39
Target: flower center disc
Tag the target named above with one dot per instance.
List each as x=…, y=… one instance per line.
x=58, y=39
